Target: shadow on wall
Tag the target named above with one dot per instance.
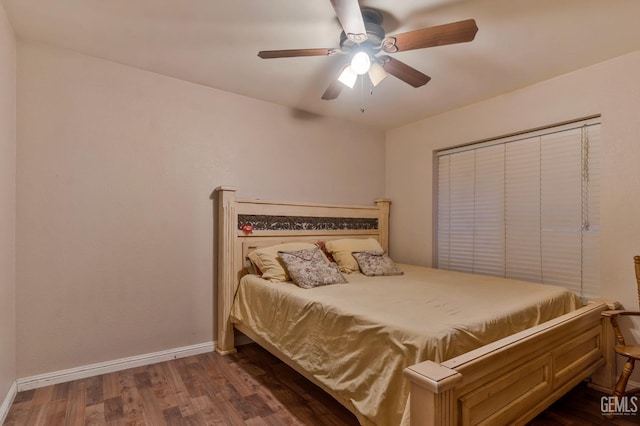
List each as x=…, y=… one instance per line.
x=300, y=114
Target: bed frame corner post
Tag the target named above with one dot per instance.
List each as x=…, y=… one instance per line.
x=432, y=394
x=605, y=378
x=383, y=222
x=226, y=230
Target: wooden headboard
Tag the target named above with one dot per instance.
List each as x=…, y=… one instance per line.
x=275, y=222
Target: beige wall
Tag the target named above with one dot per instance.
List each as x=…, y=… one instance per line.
x=611, y=88
x=7, y=204
x=114, y=170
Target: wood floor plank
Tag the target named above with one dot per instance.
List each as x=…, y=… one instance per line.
x=56, y=412
x=94, y=415
x=227, y=410
x=61, y=391
x=110, y=385
x=172, y=415
x=132, y=406
x=152, y=412
x=179, y=392
x=74, y=412
x=251, y=388
x=164, y=394
x=43, y=395
x=191, y=374
x=256, y=421
x=142, y=380
x=24, y=396
x=37, y=416
x=209, y=411
x=113, y=409
x=279, y=419
x=94, y=390
x=241, y=404
x=18, y=414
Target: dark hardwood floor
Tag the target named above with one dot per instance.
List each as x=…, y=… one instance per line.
x=251, y=387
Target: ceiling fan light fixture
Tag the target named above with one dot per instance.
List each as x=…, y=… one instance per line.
x=348, y=77
x=363, y=38
x=377, y=74
x=360, y=63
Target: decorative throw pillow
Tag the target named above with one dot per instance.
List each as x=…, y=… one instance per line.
x=341, y=250
x=309, y=268
x=266, y=259
x=376, y=263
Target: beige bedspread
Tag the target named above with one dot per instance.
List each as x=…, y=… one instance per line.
x=357, y=338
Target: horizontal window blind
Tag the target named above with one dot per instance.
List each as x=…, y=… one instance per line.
x=525, y=207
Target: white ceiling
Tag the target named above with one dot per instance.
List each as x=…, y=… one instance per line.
x=215, y=42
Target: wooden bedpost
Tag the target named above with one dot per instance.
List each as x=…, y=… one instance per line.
x=226, y=229
x=383, y=222
x=432, y=399
x=604, y=380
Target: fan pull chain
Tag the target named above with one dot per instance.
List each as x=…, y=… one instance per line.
x=362, y=94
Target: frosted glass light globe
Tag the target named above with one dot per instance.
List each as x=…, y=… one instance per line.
x=348, y=77
x=360, y=63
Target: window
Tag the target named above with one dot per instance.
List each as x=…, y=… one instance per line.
x=524, y=207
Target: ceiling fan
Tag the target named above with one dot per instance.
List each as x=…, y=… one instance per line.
x=364, y=39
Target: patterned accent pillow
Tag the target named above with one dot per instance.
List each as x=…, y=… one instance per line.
x=376, y=263
x=309, y=268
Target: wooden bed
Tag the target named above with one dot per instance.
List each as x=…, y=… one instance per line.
x=506, y=382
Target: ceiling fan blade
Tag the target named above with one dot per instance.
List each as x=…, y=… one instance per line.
x=350, y=17
x=404, y=72
x=290, y=53
x=441, y=35
x=333, y=91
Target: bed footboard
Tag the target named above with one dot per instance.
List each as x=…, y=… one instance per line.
x=512, y=380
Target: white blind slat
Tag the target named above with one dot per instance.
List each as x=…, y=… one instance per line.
x=444, y=229
x=522, y=207
x=461, y=204
x=488, y=231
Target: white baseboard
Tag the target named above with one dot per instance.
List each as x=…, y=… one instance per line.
x=8, y=400
x=85, y=371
